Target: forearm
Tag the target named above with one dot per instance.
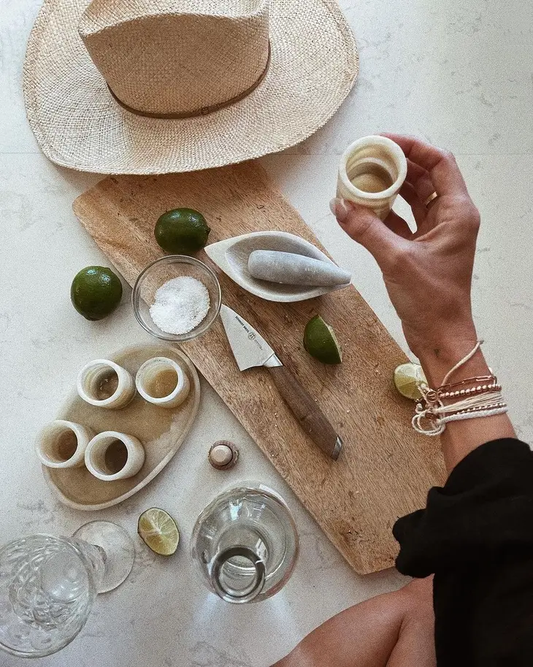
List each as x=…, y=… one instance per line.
x=461, y=437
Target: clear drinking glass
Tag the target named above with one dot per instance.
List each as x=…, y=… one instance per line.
x=48, y=585
x=245, y=543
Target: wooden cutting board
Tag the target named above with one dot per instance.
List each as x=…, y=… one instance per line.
x=385, y=469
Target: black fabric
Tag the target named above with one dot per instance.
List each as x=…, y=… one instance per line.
x=476, y=536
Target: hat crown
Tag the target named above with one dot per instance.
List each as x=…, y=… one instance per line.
x=177, y=57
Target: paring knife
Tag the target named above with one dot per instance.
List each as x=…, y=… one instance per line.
x=250, y=349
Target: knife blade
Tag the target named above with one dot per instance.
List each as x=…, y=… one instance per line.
x=250, y=349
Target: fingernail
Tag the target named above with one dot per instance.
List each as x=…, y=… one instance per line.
x=339, y=208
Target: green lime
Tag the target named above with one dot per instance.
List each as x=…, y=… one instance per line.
x=181, y=231
x=159, y=531
x=95, y=292
x=407, y=377
x=320, y=341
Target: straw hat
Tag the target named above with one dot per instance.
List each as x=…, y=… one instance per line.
x=156, y=86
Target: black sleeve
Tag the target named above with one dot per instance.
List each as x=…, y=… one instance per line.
x=476, y=536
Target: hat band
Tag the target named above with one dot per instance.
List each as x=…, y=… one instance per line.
x=203, y=111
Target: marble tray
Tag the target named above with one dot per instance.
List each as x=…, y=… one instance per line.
x=162, y=432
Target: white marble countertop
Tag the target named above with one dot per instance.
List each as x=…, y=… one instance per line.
x=457, y=73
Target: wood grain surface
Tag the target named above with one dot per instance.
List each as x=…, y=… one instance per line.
x=385, y=469
x=305, y=409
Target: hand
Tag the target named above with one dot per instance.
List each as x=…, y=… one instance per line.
x=427, y=273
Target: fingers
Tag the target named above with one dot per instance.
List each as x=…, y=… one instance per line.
x=415, y=172
x=420, y=180
x=408, y=192
x=398, y=225
x=440, y=165
x=364, y=226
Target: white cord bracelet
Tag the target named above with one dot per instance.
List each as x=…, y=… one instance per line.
x=487, y=402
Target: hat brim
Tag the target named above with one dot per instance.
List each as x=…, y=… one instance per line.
x=79, y=125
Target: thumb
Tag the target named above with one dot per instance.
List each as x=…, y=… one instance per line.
x=364, y=226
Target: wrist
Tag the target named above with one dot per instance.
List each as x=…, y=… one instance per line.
x=439, y=358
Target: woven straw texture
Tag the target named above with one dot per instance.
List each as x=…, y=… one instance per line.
x=172, y=63
x=78, y=124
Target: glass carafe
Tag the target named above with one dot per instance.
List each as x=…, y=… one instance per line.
x=48, y=585
x=245, y=543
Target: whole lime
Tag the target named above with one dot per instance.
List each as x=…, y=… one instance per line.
x=95, y=292
x=181, y=231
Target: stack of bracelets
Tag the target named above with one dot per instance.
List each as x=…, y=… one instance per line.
x=468, y=399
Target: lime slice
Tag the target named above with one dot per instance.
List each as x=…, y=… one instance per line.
x=320, y=341
x=407, y=377
x=159, y=531
x=182, y=231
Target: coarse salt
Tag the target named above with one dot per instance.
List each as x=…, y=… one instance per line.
x=180, y=305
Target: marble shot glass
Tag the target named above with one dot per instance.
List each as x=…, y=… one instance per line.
x=105, y=384
x=62, y=444
x=163, y=382
x=371, y=172
x=111, y=455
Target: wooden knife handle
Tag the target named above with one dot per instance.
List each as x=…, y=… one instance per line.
x=312, y=419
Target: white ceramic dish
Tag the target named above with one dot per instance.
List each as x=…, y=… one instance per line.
x=232, y=255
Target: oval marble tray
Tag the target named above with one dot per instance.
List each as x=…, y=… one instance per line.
x=232, y=255
x=161, y=431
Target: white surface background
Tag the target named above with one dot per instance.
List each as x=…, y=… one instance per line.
x=458, y=73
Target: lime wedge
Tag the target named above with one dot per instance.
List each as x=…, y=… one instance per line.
x=320, y=341
x=159, y=531
x=407, y=377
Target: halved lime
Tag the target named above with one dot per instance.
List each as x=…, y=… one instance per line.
x=407, y=377
x=320, y=341
x=159, y=531
x=181, y=231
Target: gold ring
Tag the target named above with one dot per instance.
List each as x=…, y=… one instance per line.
x=431, y=198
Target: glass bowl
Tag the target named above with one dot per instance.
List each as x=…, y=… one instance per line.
x=156, y=274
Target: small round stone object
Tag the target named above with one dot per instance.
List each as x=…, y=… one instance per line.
x=223, y=455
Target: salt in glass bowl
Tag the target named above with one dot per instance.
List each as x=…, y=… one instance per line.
x=156, y=274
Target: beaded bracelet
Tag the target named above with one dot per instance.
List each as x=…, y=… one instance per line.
x=479, y=400
x=446, y=390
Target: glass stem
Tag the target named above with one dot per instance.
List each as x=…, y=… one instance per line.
x=95, y=557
